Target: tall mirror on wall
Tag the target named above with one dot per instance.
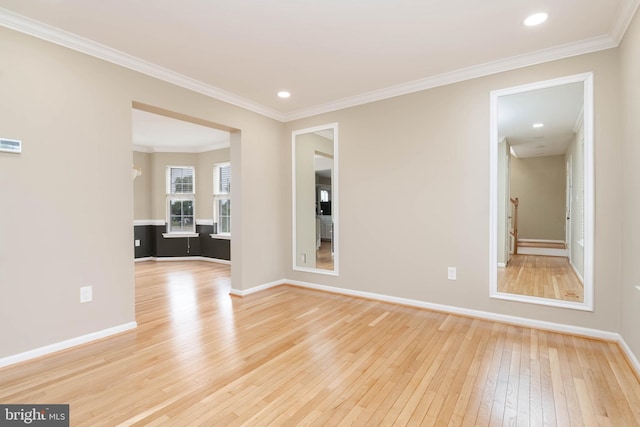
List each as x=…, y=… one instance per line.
x=315, y=199
x=541, y=159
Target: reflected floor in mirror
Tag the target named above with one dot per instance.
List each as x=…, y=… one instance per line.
x=324, y=257
x=540, y=276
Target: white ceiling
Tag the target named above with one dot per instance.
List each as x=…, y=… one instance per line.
x=156, y=133
x=558, y=108
x=328, y=53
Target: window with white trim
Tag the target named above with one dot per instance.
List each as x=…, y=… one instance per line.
x=222, y=198
x=181, y=199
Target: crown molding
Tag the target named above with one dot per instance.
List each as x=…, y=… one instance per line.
x=177, y=149
x=43, y=31
x=626, y=11
x=72, y=41
x=494, y=67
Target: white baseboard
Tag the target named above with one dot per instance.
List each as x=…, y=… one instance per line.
x=502, y=265
x=245, y=292
x=633, y=360
x=503, y=318
x=184, y=258
x=83, y=339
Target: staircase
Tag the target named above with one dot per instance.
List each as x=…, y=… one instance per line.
x=542, y=247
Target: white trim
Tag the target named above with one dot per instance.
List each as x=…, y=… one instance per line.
x=502, y=318
x=502, y=265
x=220, y=236
x=633, y=360
x=588, y=199
x=57, y=36
x=245, y=292
x=541, y=301
x=188, y=258
x=149, y=222
x=62, y=345
x=179, y=235
x=204, y=222
x=540, y=241
x=626, y=12
x=148, y=258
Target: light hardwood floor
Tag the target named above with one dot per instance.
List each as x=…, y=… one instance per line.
x=324, y=257
x=291, y=356
x=541, y=276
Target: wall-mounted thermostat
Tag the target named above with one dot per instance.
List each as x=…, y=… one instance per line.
x=10, y=145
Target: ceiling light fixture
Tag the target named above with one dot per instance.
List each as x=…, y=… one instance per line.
x=535, y=19
x=284, y=94
x=538, y=125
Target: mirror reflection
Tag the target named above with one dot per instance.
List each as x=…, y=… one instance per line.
x=315, y=199
x=541, y=193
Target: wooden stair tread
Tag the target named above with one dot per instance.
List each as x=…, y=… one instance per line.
x=547, y=245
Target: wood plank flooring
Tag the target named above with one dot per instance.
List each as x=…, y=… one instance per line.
x=291, y=356
x=541, y=276
x=324, y=257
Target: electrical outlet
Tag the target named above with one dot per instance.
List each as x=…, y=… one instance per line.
x=86, y=294
x=137, y=242
x=451, y=273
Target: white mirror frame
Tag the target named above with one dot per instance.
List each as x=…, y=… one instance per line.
x=588, y=279
x=334, y=198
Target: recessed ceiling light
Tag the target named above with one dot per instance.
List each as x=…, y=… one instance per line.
x=538, y=125
x=535, y=19
x=284, y=94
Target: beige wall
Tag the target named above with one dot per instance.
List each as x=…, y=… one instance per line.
x=433, y=147
x=142, y=186
x=630, y=301
x=539, y=185
x=73, y=114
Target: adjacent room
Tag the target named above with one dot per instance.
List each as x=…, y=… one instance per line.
x=320, y=213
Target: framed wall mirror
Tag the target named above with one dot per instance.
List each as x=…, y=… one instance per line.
x=315, y=199
x=541, y=193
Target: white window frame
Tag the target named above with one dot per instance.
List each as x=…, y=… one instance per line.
x=220, y=195
x=171, y=197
